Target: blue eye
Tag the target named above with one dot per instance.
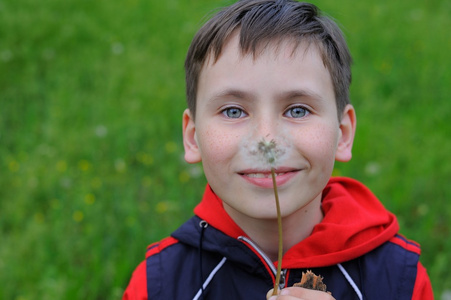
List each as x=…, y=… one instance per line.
x=297, y=112
x=233, y=113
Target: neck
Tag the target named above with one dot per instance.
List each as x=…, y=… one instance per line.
x=296, y=227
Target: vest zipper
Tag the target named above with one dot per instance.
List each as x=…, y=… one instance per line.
x=266, y=259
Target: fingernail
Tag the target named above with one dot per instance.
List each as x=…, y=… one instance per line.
x=285, y=292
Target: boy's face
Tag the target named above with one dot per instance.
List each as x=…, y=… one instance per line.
x=283, y=96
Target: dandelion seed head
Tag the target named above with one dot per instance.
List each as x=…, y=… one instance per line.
x=268, y=149
x=265, y=154
x=101, y=131
x=117, y=48
x=6, y=55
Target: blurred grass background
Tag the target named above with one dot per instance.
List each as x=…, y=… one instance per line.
x=91, y=156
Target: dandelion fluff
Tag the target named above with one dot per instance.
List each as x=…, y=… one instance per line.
x=265, y=154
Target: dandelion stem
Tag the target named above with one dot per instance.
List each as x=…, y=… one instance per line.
x=279, y=225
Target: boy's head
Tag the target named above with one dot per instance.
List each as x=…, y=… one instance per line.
x=261, y=22
x=273, y=71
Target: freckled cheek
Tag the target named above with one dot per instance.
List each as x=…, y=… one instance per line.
x=319, y=145
x=217, y=146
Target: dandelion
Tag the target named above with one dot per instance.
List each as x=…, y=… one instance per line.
x=48, y=54
x=265, y=154
x=84, y=165
x=269, y=152
x=117, y=48
x=61, y=166
x=423, y=209
x=161, y=207
x=78, y=216
x=130, y=221
x=90, y=199
x=33, y=182
x=184, y=177
x=195, y=171
x=145, y=158
x=55, y=204
x=269, y=155
x=6, y=55
x=39, y=217
x=101, y=131
x=170, y=147
x=146, y=181
x=372, y=168
x=268, y=149
x=120, y=165
x=13, y=166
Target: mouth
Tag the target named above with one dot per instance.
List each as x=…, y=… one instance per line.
x=262, y=175
x=263, y=178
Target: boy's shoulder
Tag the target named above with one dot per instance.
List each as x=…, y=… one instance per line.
x=394, y=266
x=159, y=246
x=390, y=271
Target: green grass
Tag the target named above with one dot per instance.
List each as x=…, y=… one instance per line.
x=91, y=156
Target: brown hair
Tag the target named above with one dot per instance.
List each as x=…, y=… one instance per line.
x=261, y=22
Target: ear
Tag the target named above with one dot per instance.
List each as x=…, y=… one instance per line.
x=347, y=133
x=192, y=151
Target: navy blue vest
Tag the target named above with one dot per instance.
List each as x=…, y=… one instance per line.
x=230, y=270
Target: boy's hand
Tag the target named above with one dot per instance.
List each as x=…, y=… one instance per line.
x=297, y=293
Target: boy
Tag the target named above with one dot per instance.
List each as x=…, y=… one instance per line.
x=267, y=70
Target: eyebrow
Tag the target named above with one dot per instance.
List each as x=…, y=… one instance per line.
x=233, y=93
x=300, y=94
x=243, y=95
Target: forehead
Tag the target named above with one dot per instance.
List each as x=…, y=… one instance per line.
x=287, y=47
x=279, y=60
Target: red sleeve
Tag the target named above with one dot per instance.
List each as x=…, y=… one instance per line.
x=137, y=287
x=423, y=287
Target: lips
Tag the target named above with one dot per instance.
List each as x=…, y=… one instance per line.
x=264, y=179
x=262, y=175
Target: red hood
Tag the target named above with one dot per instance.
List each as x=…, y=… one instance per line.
x=354, y=223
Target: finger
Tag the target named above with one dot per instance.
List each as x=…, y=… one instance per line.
x=303, y=293
x=270, y=293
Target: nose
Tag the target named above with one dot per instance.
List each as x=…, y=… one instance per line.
x=267, y=127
